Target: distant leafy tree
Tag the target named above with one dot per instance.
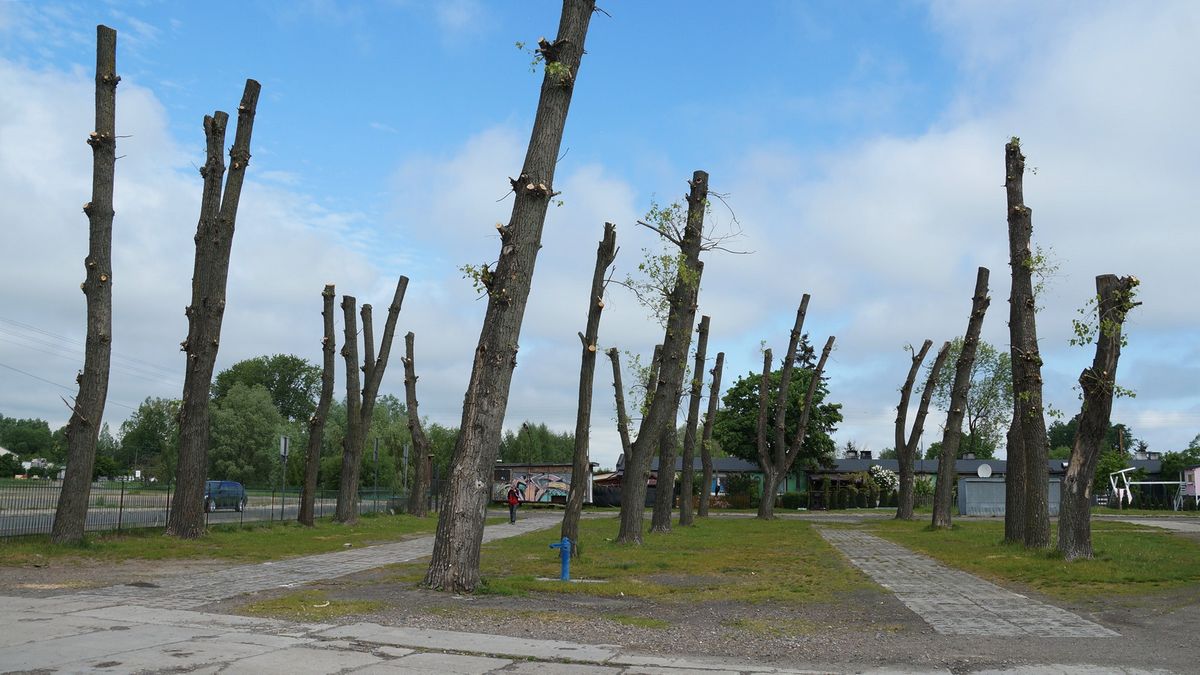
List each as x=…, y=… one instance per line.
x=981, y=448
x=10, y=465
x=887, y=453
x=1118, y=437
x=293, y=382
x=150, y=439
x=27, y=437
x=736, y=423
x=244, y=442
x=989, y=400
x=536, y=444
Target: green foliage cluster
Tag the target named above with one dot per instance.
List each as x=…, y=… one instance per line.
x=989, y=400
x=735, y=427
x=536, y=444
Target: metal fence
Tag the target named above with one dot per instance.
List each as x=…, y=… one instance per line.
x=27, y=506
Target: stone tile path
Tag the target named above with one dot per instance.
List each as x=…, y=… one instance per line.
x=195, y=590
x=954, y=602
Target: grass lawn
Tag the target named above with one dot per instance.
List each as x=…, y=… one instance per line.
x=247, y=543
x=717, y=559
x=1129, y=559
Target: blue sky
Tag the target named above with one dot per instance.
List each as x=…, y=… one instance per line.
x=860, y=146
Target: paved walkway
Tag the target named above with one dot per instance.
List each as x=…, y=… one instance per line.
x=1176, y=524
x=194, y=590
x=954, y=602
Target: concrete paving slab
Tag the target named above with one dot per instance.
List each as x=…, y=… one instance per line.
x=171, y=657
x=302, y=661
x=17, y=628
x=181, y=617
x=475, y=642
x=49, y=654
x=449, y=664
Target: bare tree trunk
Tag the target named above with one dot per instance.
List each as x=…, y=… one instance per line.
x=84, y=426
x=346, y=510
x=952, y=435
x=687, y=478
x=714, y=398
x=1098, y=384
x=906, y=450
x=454, y=565
x=1026, y=360
x=664, y=490
x=214, y=239
x=581, y=467
x=418, y=499
x=664, y=405
x=316, y=424
x=622, y=417
x=776, y=457
x=360, y=409
x=1014, y=485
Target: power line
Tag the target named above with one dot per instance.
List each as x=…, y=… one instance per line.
x=57, y=384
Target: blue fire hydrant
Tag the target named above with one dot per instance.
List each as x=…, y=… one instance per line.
x=564, y=547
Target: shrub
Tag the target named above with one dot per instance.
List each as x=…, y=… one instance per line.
x=793, y=500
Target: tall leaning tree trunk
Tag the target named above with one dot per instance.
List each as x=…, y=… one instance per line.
x=1098, y=384
x=360, y=406
x=1026, y=359
x=664, y=404
x=664, y=485
x=906, y=450
x=84, y=426
x=952, y=434
x=454, y=565
x=714, y=398
x=581, y=467
x=687, y=478
x=316, y=423
x=214, y=241
x=418, y=498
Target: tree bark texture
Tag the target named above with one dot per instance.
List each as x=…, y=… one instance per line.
x=418, y=498
x=214, y=241
x=714, y=398
x=687, y=478
x=622, y=415
x=360, y=406
x=664, y=404
x=777, y=456
x=1026, y=359
x=84, y=426
x=1014, y=485
x=581, y=466
x=1098, y=384
x=906, y=451
x=664, y=487
x=952, y=434
x=454, y=565
x=316, y=423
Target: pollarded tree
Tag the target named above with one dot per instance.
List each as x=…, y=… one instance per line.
x=906, y=448
x=360, y=405
x=1027, y=518
x=214, y=239
x=952, y=433
x=693, y=420
x=775, y=452
x=1098, y=384
x=84, y=427
x=714, y=397
x=454, y=565
x=658, y=424
x=316, y=423
x=606, y=252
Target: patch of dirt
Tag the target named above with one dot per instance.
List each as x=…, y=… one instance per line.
x=55, y=577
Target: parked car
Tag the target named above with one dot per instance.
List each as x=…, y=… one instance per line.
x=224, y=494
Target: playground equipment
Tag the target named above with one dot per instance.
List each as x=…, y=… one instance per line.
x=1124, y=493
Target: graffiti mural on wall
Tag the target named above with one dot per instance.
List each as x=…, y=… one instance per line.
x=535, y=487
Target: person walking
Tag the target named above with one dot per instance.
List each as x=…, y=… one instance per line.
x=513, y=499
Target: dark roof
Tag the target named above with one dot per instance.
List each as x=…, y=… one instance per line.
x=721, y=464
